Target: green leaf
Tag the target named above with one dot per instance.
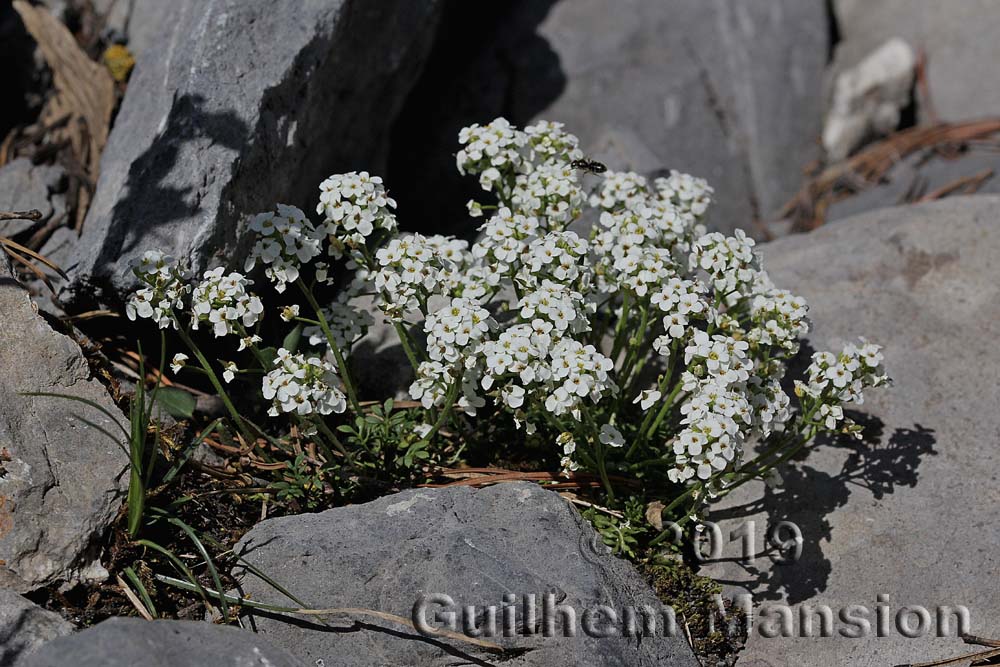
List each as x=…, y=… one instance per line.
x=268, y=355
x=291, y=341
x=177, y=402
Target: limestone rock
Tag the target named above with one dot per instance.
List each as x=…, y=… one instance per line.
x=475, y=546
x=239, y=105
x=23, y=187
x=61, y=479
x=910, y=514
x=24, y=626
x=869, y=98
x=728, y=90
x=126, y=642
x=958, y=38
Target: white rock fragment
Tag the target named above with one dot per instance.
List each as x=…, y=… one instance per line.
x=868, y=98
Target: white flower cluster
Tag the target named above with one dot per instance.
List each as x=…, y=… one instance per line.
x=550, y=191
x=455, y=328
x=163, y=291
x=503, y=241
x=303, y=386
x=286, y=240
x=621, y=190
x=558, y=328
x=832, y=380
x=558, y=372
x=224, y=302
x=493, y=151
x=413, y=267
x=717, y=417
x=730, y=263
x=688, y=193
x=354, y=206
x=550, y=142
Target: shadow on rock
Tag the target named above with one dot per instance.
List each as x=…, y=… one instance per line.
x=808, y=496
x=148, y=178
x=503, y=67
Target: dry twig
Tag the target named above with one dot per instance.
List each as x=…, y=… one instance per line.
x=807, y=208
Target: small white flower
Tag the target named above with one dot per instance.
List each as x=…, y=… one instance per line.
x=248, y=341
x=422, y=430
x=611, y=436
x=229, y=372
x=163, y=291
x=289, y=313
x=566, y=441
x=647, y=398
x=286, y=241
x=178, y=362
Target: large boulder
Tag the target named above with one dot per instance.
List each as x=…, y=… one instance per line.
x=911, y=513
x=958, y=38
x=729, y=91
x=62, y=463
x=126, y=642
x=236, y=106
x=24, y=626
x=479, y=547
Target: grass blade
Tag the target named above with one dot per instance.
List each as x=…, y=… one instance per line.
x=204, y=554
x=143, y=593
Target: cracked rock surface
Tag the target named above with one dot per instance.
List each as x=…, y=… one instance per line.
x=475, y=546
x=61, y=480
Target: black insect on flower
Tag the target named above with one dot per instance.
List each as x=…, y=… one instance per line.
x=593, y=166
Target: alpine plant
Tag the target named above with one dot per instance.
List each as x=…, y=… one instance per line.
x=594, y=310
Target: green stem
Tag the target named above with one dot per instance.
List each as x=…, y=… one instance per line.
x=404, y=339
x=602, y=469
x=634, y=347
x=345, y=374
x=620, y=328
x=653, y=419
x=448, y=405
x=599, y=454
x=216, y=384
x=335, y=440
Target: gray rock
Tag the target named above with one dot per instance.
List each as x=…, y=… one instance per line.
x=476, y=546
x=24, y=626
x=912, y=513
x=23, y=187
x=62, y=479
x=727, y=90
x=378, y=362
x=957, y=37
x=239, y=105
x=126, y=642
x=869, y=98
